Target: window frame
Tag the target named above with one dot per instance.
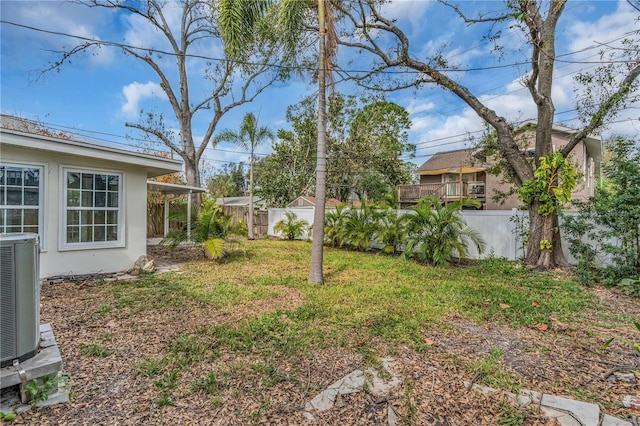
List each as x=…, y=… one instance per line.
x=41, y=196
x=119, y=242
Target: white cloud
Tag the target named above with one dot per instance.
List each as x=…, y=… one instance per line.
x=135, y=93
x=63, y=17
x=410, y=10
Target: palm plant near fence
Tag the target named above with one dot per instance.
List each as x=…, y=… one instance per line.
x=360, y=227
x=291, y=227
x=392, y=231
x=334, y=234
x=437, y=234
x=212, y=230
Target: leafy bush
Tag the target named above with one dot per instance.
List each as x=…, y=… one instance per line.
x=212, y=229
x=435, y=232
x=609, y=223
x=291, y=227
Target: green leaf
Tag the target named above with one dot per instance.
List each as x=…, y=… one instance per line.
x=214, y=248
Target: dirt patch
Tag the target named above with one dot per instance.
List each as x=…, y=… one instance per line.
x=255, y=387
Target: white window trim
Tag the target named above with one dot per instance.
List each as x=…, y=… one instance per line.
x=62, y=240
x=41, y=197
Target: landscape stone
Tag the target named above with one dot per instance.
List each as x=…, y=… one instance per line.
x=614, y=421
x=587, y=414
x=354, y=382
x=564, y=418
x=625, y=377
x=392, y=417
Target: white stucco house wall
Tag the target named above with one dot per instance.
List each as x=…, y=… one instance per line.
x=87, y=202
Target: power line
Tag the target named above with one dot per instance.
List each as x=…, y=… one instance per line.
x=289, y=67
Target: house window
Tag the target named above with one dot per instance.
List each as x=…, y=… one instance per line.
x=20, y=198
x=93, y=209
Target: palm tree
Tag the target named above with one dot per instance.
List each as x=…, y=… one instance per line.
x=249, y=136
x=392, y=231
x=212, y=230
x=291, y=227
x=238, y=21
x=436, y=232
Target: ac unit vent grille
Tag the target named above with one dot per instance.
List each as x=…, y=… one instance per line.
x=7, y=303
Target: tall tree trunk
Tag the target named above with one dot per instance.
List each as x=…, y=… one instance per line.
x=192, y=174
x=544, y=250
x=250, y=221
x=317, y=248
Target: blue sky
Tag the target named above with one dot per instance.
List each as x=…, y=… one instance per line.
x=96, y=94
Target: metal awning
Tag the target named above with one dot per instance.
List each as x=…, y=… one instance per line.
x=175, y=189
x=456, y=170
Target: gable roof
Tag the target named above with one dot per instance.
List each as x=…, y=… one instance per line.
x=453, y=161
x=329, y=202
x=449, y=162
x=155, y=166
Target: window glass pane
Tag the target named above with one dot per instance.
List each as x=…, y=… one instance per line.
x=113, y=183
x=113, y=199
x=112, y=233
x=86, y=217
x=87, y=181
x=14, y=176
x=14, y=196
x=101, y=199
x=14, y=217
x=86, y=234
x=31, y=196
x=73, y=217
x=99, y=217
x=98, y=198
x=31, y=177
x=73, y=180
x=2, y=201
x=30, y=217
x=87, y=199
x=112, y=218
x=73, y=198
x=33, y=229
x=2, y=173
x=2, y=215
x=73, y=234
x=13, y=229
x=100, y=233
x=100, y=182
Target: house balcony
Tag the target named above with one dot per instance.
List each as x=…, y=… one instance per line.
x=444, y=192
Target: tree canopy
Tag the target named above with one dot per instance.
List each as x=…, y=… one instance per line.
x=365, y=144
x=369, y=30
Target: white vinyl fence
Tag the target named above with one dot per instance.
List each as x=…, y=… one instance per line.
x=500, y=229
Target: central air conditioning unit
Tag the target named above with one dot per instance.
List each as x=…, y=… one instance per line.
x=19, y=297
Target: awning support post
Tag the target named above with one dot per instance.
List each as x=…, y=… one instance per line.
x=189, y=216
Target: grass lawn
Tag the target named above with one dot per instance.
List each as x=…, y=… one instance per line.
x=248, y=341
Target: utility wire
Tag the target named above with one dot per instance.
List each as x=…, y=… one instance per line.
x=298, y=68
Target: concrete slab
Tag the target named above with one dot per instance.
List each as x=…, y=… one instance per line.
x=608, y=420
x=564, y=418
x=355, y=382
x=46, y=362
x=587, y=414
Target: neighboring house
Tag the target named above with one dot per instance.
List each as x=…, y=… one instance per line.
x=87, y=202
x=309, y=202
x=461, y=173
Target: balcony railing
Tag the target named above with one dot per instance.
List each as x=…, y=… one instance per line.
x=445, y=192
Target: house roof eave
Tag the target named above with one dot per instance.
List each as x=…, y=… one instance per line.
x=155, y=166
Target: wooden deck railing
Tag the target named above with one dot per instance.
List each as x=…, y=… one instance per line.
x=449, y=191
